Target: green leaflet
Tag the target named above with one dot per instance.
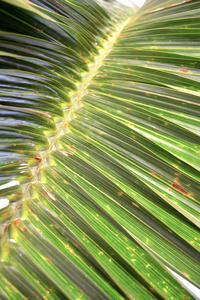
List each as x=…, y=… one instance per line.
x=99, y=149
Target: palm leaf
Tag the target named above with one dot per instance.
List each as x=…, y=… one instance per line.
x=99, y=149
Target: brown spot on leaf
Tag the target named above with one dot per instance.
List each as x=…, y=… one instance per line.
x=72, y=147
x=87, y=137
x=38, y=158
x=183, y=71
x=16, y=222
x=179, y=188
x=24, y=229
x=134, y=204
x=120, y=193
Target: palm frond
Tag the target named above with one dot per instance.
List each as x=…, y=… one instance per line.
x=99, y=149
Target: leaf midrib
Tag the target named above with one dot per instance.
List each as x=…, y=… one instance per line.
x=61, y=127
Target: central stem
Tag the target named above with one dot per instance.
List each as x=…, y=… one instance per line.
x=68, y=116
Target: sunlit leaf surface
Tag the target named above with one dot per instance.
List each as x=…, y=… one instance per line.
x=99, y=149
